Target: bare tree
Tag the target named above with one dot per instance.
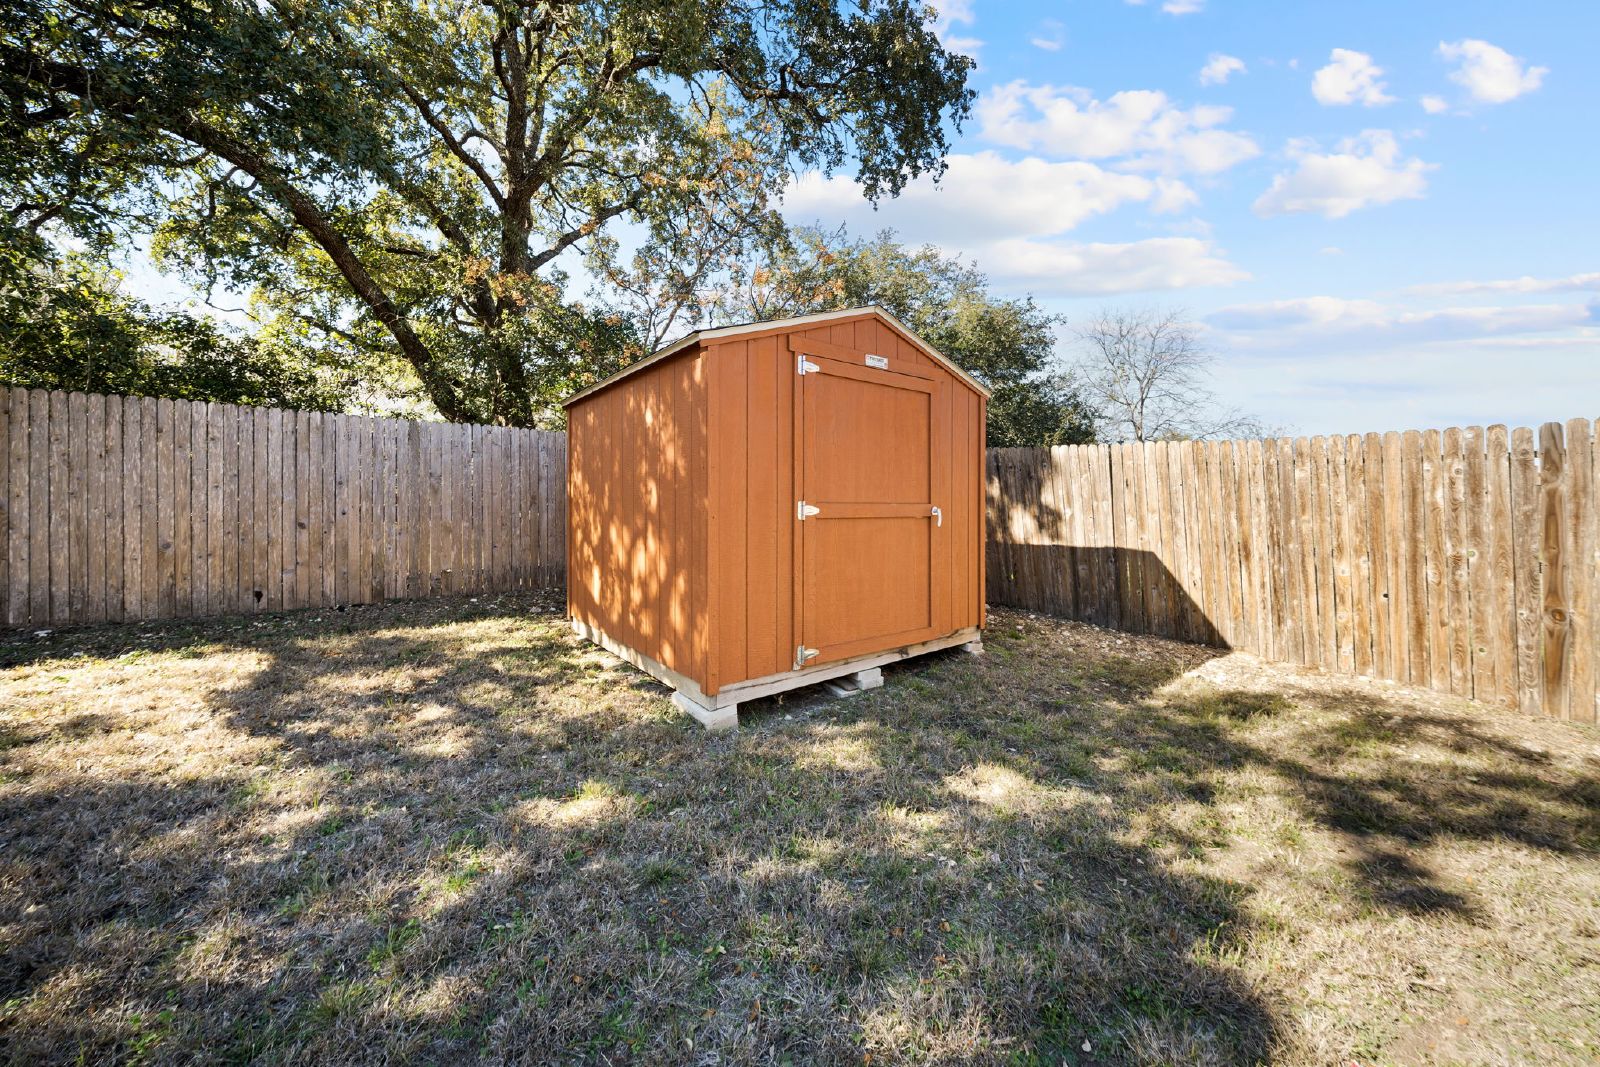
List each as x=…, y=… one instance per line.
x=1147, y=374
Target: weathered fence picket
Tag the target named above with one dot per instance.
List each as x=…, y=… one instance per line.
x=1466, y=559
x=124, y=508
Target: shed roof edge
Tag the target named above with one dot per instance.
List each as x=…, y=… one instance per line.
x=722, y=332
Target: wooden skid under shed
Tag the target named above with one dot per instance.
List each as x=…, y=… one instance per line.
x=721, y=710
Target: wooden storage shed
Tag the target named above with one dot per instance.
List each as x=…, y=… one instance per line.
x=761, y=507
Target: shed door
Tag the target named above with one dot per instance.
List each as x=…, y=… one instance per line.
x=872, y=463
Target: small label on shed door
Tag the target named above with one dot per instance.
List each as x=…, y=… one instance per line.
x=881, y=362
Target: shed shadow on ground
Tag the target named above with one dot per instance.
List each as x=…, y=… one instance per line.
x=1123, y=588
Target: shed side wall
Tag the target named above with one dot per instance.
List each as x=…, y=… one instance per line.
x=637, y=485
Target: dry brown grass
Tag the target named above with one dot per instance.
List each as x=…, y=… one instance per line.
x=446, y=832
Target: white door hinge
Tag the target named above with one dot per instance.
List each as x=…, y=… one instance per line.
x=802, y=655
x=807, y=367
x=804, y=511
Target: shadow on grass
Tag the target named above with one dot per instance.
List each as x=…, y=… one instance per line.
x=197, y=637
x=1345, y=772
x=453, y=832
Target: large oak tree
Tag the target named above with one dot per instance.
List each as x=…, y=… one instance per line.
x=405, y=180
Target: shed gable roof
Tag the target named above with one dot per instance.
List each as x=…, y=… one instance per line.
x=773, y=325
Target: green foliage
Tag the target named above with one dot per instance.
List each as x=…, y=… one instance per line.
x=402, y=184
x=65, y=326
x=1042, y=410
x=1006, y=344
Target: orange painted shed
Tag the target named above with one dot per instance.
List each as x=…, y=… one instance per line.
x=760, y=507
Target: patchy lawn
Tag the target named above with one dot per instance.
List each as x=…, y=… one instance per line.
x=447, y=832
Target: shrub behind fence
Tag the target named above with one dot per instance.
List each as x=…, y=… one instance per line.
x=1464, y=560
x=133, y=508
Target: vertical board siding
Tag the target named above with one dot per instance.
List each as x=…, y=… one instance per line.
x=125, y=508
x=750, y=493
x=638, y=459
x=1466, y=560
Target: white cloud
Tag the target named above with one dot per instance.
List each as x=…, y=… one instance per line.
x=1589, y=282
x=1328, y=319
x=1365, y=171
x=1218, y=67
x=1587, y=339
x=1301, y=311
x=1342, y=366
x=1142, y=128
x=983, y=196
x=1490, y=74
x=1350, y=78
x=1011, y=216
x=1435, y=105
x=1354, y=382
x=1074, y=269
x=951, y=13
x=1174, y=7
x=1050, y=36
x=1172, y=196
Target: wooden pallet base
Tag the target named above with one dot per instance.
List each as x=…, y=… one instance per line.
x=720, y=710
x=853, y=685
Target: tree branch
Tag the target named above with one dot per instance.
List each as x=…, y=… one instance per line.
x=573, y=236
x=455, y=144
x=187, y=125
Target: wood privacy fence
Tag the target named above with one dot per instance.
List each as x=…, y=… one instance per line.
x=1464, y=560
x=132, y=508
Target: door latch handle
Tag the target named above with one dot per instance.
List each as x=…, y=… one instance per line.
x=938, y=516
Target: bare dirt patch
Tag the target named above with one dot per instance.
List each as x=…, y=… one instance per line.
x=447, y=831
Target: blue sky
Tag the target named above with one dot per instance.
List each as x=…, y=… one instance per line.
x=1382, y=214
